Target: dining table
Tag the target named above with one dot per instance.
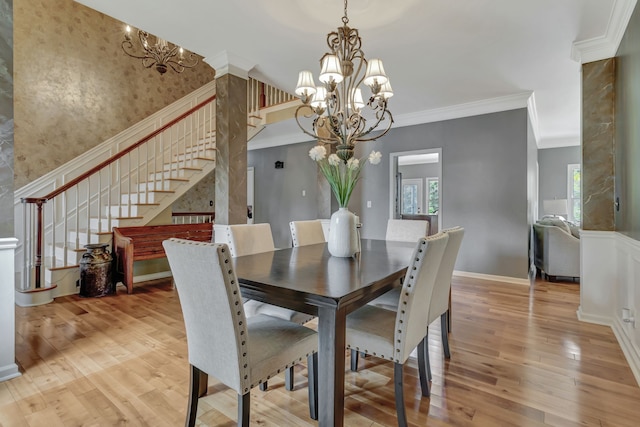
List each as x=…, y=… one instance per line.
x=310, y=280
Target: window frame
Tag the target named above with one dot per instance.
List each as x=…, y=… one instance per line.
x=420, y=185
x=428, y=180
x=571, y=197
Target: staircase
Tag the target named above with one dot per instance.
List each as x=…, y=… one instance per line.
x=125, y=181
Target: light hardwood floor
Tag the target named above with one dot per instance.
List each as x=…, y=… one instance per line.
x=519, y=357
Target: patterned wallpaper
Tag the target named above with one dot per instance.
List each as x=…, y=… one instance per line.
x=74, y=87
x=6, y=119
x=197, y=198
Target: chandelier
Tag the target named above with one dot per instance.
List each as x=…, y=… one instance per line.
x=336, y=112
x=160, y=54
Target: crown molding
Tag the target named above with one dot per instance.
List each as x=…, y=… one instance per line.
x=475, y=108
x=227, y=62
x=605, y=46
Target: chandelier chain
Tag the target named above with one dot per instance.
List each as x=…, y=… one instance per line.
x=345, y=19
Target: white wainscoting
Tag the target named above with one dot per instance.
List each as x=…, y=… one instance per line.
x=8, y=367
x=610, y=282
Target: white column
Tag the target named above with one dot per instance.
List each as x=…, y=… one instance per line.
x=8, y=367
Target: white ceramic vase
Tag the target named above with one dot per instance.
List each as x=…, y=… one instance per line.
x=343, y=234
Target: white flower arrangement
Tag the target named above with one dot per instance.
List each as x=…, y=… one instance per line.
x=342, y=176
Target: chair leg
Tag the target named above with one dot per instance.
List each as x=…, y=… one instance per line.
x=263, y=386
x=426, y=355
x=194, y=392
x=244, y=405
x=312, y=368
x=445, y=335
x=204, y=383
x=288, y=379
x=449, y=313
x=354, y=360
x=400, y=409
x=422, y=366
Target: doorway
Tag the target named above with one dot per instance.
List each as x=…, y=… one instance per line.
x=416, y=192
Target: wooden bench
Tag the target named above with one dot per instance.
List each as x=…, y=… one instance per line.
x=140, y=243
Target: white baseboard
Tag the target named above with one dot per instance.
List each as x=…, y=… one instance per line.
x=593, y=318
x=504, y=279
x=67, y=280
x=8, y=372
x=631, y=351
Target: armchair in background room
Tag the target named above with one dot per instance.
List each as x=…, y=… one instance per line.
x=556, y=249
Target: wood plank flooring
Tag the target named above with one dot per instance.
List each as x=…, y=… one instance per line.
x=519, y=358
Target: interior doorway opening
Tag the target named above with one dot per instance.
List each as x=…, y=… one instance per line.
x=416, y=192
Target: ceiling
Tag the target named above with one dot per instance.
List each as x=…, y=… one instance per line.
x=445, y=58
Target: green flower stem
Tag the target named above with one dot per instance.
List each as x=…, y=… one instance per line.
x=342, y=179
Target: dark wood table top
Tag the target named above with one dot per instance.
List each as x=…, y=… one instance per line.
x=309, y=276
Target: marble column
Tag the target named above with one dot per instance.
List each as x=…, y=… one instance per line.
x=231, y=143
x=598, y=145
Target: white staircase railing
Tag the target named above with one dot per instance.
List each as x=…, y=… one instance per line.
x=122, y=188
x=262, y=96
x=124, y=181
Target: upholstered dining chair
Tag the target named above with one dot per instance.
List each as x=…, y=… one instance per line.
x=399, y=230
x=240, y=352
x=392, y=335
x=439, y=306
x=249, y=239
x=406, y=230
x=306, y=232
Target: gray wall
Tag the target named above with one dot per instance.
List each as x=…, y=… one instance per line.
x=427, y=170
x=278, y=192
x=553, y=172
x=6, y=119
x=484, y=187
x=627, y=130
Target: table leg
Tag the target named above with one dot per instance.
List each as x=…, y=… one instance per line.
x=331, y=336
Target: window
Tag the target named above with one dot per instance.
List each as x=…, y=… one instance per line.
x=433, y=196
x=573, y=191
x=411, y=196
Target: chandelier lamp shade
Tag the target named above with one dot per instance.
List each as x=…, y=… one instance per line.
x=159, y=53
x=335, y=111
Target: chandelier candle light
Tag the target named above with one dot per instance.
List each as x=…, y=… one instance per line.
x=160, y=54
x=337, y=109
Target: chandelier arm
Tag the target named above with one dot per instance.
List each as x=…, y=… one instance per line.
x=313, y=135
x=144, y=41
x=373, y=138
x=129, y=45
x=178, y=66
x=175, y=66
x=189, y=62
x=148, y=62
